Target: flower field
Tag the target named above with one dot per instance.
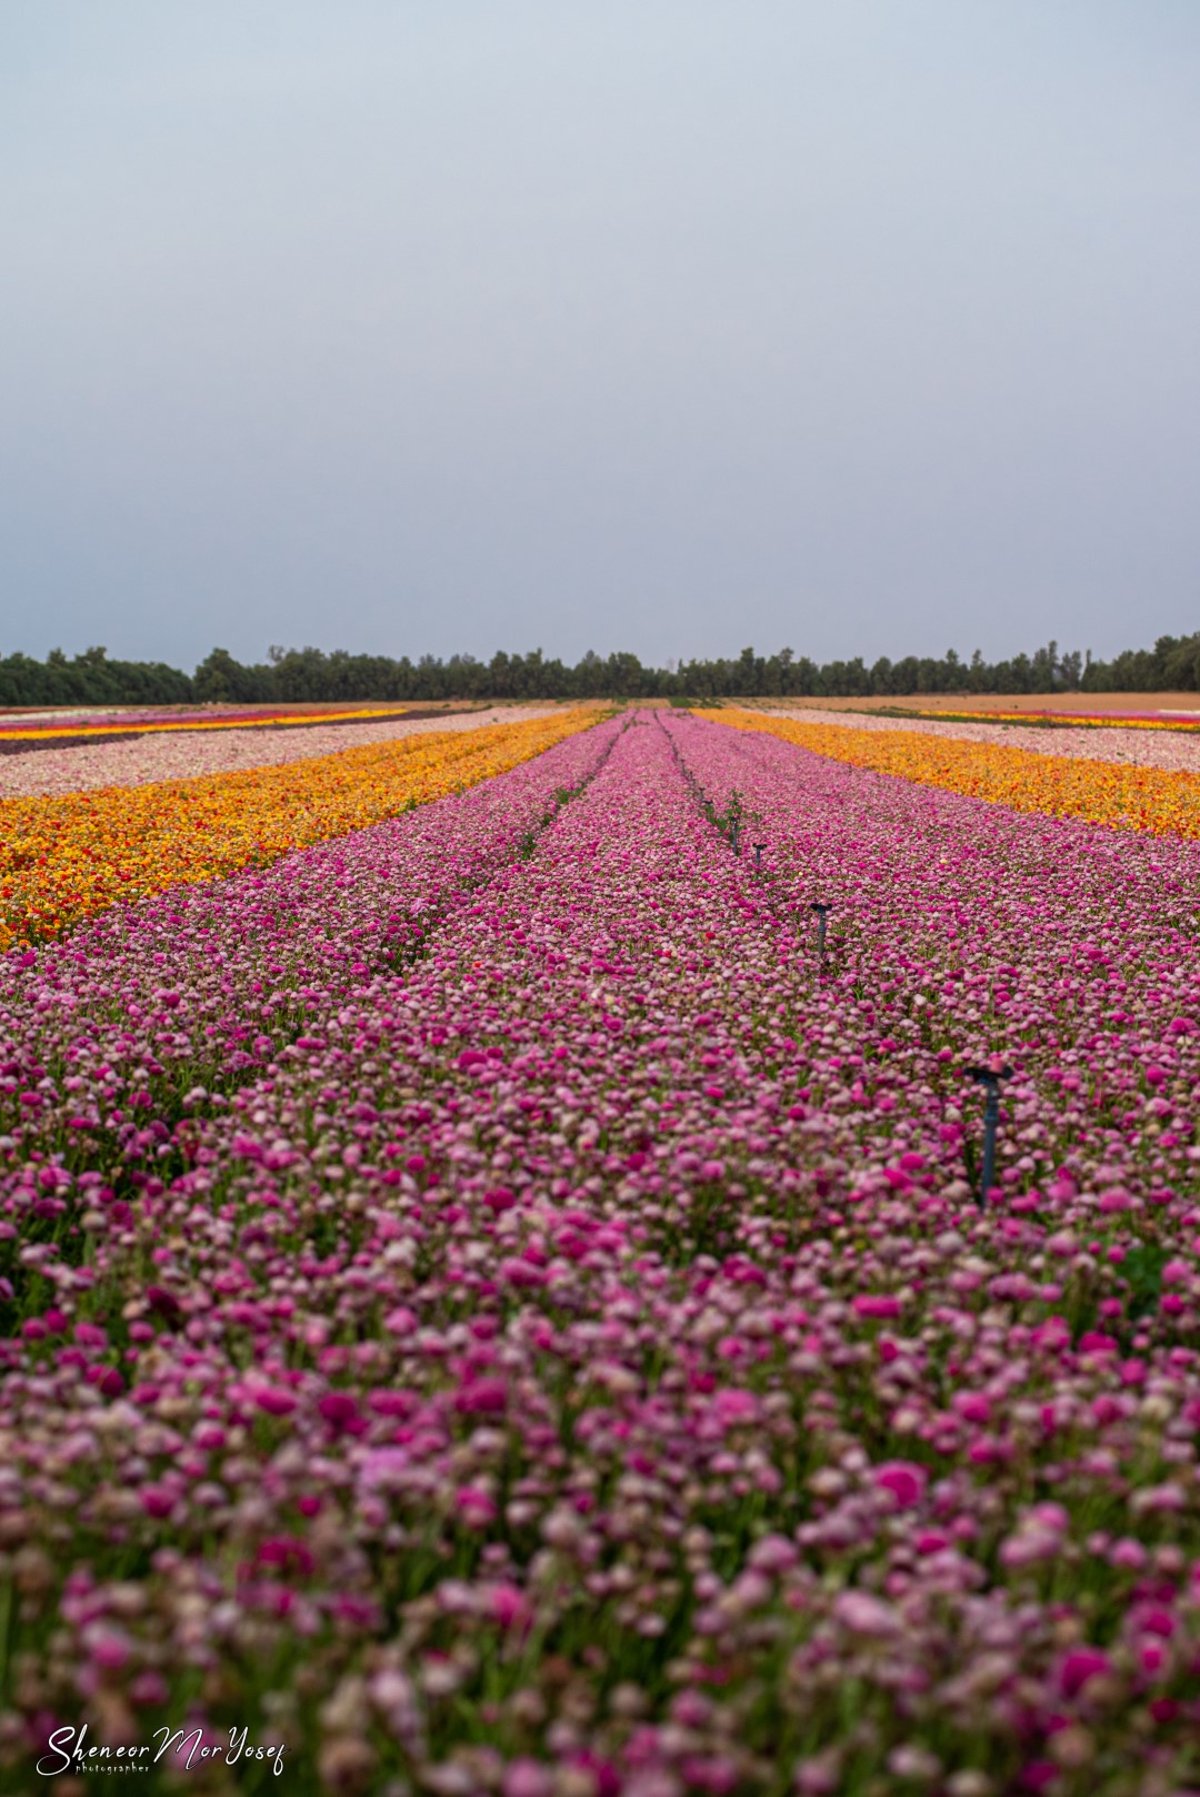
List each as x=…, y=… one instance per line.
x=14, y=728
x=494, y=1301
x=150, y=756
x=63, y=858
x=1174, y=750
x=1127, y=794
x=1179, y=722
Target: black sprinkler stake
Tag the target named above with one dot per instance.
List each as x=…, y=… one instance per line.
x=822, y=912
x=989, y=1078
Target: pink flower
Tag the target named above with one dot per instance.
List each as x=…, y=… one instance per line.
x=274, y=1401
x=1078, y=1667
x=289, y=1554
x=733, y=1405
x=527, y=1778
x=863, y=1614
x=972, y=1406
x=606, y=1781
x=876, y=1304
x=108, y=1648
x=904, y=1480
x=149, y=1689
x=340, y=1411
x=476, y=1507
x=773, y=1554
x=509, y=1605
x=482, y=1397
x=383, y=1467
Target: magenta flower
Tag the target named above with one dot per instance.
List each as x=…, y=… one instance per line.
x=904, y=1480
x=482, y=1397
x=1078, y=1667
x=876, y=1304
x=274, y=1401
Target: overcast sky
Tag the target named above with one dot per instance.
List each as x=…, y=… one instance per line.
x=865, y=326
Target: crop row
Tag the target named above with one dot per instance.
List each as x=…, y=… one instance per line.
x=16, y=727
x=1171, y=749
x=1162, y=800
x=139, y=760
x=71, y=856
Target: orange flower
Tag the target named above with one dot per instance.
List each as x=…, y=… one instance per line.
x=64, y=858
x=1102, y=792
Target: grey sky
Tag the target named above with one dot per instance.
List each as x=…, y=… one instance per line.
x=672, y=325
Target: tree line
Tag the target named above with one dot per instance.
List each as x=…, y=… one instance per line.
x=291, y=675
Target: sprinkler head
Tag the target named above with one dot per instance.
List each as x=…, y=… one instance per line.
x=989, y=1076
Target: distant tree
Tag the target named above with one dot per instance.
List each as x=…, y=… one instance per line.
x=311, y=674
x=1070, y=670
x=220, y=679
x=1181, y=669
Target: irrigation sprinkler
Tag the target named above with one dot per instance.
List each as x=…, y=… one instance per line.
x=758, y=853
x=822, y=912
x=989, y=1078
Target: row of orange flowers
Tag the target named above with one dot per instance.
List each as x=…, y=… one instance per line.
x=1103, y=792
x=65, y=858
x=16, y=731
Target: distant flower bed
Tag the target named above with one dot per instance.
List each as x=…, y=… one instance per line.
x=48, y=729
x=1133, y=797
x=1174, y=751
x=1055, y=720
x=65, y=858
x=78, y=764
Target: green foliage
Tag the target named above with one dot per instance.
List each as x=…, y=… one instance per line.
x=729, y=822
x=313, y=675
x=90, y=679
x=1143, y=1269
